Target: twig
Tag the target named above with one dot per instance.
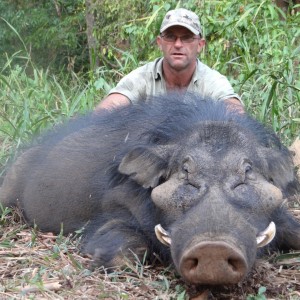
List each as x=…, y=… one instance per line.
x=52, y=286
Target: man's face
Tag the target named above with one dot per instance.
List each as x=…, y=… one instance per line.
x=180, y=54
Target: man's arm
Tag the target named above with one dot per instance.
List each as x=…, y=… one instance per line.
x=112, y=101
x=235, y=104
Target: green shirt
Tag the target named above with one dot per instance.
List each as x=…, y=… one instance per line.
x=148, y=80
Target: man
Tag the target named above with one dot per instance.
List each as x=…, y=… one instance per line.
x=180, y=40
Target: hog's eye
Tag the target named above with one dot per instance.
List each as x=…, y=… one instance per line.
x=249, y=172
x=185, y=172
x=185, y=168
x=248, y=169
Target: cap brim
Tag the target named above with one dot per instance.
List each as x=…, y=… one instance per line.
x=190, y=28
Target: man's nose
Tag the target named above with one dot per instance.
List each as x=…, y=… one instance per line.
x=178, y=42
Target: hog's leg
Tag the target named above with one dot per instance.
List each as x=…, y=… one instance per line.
x=114, y=243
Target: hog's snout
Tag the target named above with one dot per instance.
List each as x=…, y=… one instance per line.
x=213, y=263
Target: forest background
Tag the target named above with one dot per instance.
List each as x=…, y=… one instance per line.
x=61, y=57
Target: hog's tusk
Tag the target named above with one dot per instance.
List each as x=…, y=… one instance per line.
x=266, y=236
x=162, y=235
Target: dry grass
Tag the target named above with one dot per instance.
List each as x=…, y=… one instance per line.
x=35, y=265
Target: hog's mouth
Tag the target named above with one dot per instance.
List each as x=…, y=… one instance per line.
x=214, y=262
x=263, y=238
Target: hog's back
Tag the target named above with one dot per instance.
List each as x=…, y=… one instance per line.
x=62, y=181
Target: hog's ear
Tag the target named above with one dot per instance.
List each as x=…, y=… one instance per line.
x=280, y=170
x=143, y=166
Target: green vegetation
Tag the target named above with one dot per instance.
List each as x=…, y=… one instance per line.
x=251, y=42
x=32, y=103
x=52, y=31
x=47, y=74
x=260, y=295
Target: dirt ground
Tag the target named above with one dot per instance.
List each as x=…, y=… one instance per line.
x=36, y=265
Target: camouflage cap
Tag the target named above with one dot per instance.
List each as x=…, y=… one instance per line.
x=181, y=17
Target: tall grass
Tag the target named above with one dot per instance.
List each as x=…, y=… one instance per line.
x=258, y=48
x=251, y=42
x=32, y=103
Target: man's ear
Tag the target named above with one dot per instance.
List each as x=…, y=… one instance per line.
x=143, y=166
x=201, y=45
x=158, y=42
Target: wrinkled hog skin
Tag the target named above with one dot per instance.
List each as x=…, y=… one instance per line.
x=180, y=177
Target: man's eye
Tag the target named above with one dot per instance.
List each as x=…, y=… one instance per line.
x=187, y=38
x=170, y=37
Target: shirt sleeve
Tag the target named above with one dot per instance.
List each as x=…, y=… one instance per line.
x=133, y=86
x=214, y=85
x=221, y=88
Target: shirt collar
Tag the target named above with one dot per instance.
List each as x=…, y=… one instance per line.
x=158, y=68
x=196, y=74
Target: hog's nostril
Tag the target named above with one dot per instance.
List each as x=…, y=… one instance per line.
x=233, y=264
x=194, y=264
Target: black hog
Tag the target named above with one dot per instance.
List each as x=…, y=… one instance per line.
x=182, y=178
